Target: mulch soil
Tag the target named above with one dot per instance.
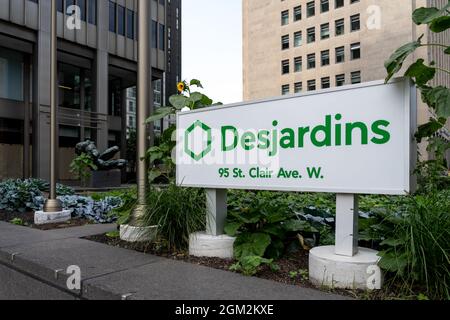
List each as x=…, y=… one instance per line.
x=27, y=219
x=292, y=268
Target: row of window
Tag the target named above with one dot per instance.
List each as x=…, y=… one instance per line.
x=355, y=25
x=325, y=83
x=311, y=10
x=122, y=20
x=355, y=53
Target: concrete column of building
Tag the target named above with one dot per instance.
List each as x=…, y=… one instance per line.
x=123, y=133
x=101, y=71
x=27, y=116
x=41, y=94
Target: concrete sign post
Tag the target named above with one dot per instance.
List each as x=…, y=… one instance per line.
x=351, y=140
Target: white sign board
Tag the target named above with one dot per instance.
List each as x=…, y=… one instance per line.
x=354, y=139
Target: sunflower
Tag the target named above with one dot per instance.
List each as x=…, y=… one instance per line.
x=181, y=87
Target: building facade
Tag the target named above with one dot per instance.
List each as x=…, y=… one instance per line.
x=292, y=46
x=97, y=63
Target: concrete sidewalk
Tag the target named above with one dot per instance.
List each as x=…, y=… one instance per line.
x=33, y=265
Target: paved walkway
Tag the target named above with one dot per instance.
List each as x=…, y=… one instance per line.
x=33, y=265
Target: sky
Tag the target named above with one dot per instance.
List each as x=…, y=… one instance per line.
x=212, y=47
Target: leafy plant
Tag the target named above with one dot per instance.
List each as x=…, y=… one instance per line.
x=249, y=265
x=177, y=212
x=432, y=173
x=414, y=244
x=160, y=156
x=17, y=222
x=82, y=166
x=86, y=207
x=263, y=226
x=26, y=195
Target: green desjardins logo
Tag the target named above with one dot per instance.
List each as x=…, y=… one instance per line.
x=332, y=133
x=189, y=149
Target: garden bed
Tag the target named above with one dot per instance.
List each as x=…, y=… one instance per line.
x=292, y=269
x=27, y=219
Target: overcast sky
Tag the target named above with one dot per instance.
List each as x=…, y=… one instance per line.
x=212, y=47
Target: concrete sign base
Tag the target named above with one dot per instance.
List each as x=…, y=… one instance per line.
x=204, y=245
x=41, y=217
x=336, y=271
x=138, y=234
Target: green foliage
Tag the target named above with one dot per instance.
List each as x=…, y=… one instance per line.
x=27, y=195
x=414, y=243
x=17, y=222
x=160, y=156
x=113, y=234
x=129, y=200
x=437, y=98
x=82, y=166
x=177, y=212
x=264, y=224
x=249, y=265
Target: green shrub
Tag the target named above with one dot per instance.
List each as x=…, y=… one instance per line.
x=414, y=244
x=177, y=212
x=264, y=224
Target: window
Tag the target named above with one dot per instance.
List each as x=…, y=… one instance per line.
x=130, y=24
x=112, y=16
x=121, y=20
x=298, y=87
x=325, y=31
x=285, y=89
x=311, y=34
x=355, y=22
x=60, y=5
x=340, y=55
x=297, y=39
x=162, y=37
x=11, y=74
x=284, y=17
x=285, y=42
x=82, y=5
x=325, y=58
x=154, y=38
x=356, y=77
x=340, y=28
x=354, y=1
x=92, y=11
x=355, y=51
x=298, y=13
x=325, y=82
x=339, y=3
x=285, y=67
x=324, y=6
x=310, y=9
x=298, y=64
x=311, y=85
x=340, y=80
x=311, y=61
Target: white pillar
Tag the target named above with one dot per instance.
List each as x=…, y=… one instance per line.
x=216, y=211
x=347, y=214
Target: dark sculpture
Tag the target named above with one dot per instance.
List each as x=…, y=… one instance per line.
x=102, y=161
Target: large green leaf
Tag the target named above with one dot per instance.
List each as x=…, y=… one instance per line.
x=393, y=261
x=447, y=51
x=425, y=15
x=159, y=114
x=178, y=101
x=232, y=228
x=195, y=82
x=195, y=97
x=428, y=15
x=428, y=129
x=275, y=250
x=153, y=175
x=299, y=226
x=396, y=60
x=251, y=244
x=439, y=99
x=420, y=72
x=440, y=24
